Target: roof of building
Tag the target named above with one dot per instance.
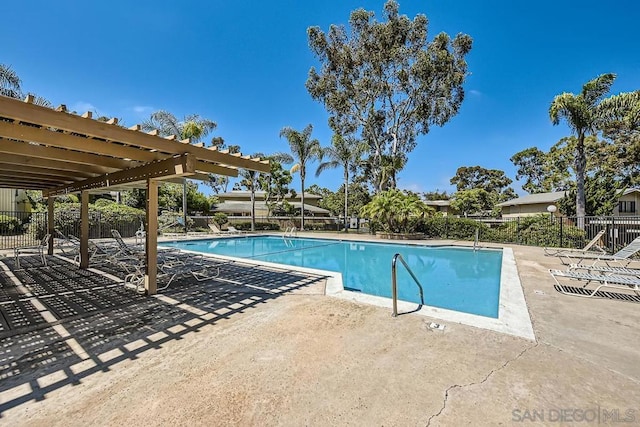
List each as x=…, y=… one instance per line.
x=534, y=199
x=261, y=194
x=245, y=207
x=438, y=202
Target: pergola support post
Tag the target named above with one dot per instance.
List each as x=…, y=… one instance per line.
x=84, y=229
x=151, y=248
x=50, y=223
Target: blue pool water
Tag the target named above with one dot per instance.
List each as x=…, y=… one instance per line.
x=453, y=278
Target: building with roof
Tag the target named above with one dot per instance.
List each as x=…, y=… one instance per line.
x=440, y=206
x=14, y=200
x=535, y=204
x=238, y=203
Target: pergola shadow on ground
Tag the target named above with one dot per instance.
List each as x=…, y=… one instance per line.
x=60, y=323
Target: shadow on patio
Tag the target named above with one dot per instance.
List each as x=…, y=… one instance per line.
x=60, y=324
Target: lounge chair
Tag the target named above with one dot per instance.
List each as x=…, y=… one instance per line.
x=39, y=249
x=67, y=244
x=593, y=244
x=622, y=258
x=611, y=281
x=169, y=270
x=214, y=228
x=135, y=250
x=604, y=269
x=141, y=235
x=232, y=230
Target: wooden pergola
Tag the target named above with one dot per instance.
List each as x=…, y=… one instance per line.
x=62, y=153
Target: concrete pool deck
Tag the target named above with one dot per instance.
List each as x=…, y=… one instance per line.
x=302, y=358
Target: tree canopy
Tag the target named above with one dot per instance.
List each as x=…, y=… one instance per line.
x=303, y=149
x=385, y=83
x=588, y=113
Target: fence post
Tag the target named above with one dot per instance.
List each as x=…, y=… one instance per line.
x=518, y=230
x=613, y=235
x=561, y=232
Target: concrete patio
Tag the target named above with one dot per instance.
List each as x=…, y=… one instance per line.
x=274, y=350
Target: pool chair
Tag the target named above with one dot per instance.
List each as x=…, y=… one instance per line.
x=605, y=269
x=68, y=245
x=168, y=271
x=215, y=230
x=100, y=252
x=623, y=282
x=232, y=230
x=591, y=246
x=622, y=258
x=39, y=249
x=126, y=250
x=140, y=234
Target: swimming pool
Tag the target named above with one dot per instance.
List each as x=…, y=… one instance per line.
x=458, y=279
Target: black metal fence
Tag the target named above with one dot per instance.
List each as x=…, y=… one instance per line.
x=22, y=228
x=565, y=232
x=28, y=228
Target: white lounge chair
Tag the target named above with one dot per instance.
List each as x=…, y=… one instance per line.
x=141, y=235
x=214, y=229
x=605, y=269
x=39, y=249
x=231, y=229
x=593, y=244
x=611, y=281
x=69, y=245
x=622, y=258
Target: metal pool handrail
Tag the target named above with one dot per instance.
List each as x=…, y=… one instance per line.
x=475, y=241
x=394, y=284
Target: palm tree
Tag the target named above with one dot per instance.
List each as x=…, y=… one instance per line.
x=250, y=181
x=304, y=149
x=193, y=127
x=346, y=154
x=587, y=113
x=9, y=82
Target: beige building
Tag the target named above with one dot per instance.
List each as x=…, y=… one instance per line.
x=535, y=204
x=238, y=203
x=14, y=200
x=628, y=203
x=441, y=206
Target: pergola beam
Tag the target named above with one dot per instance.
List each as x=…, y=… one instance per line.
x=73, y=142
x=183, y=166
x=58, y=165
x=17, y=167
x=44, y=152
x=46, y=117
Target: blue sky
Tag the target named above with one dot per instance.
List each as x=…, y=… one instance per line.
x=243, y=64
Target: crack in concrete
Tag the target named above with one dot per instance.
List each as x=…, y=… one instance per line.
x=446, y=394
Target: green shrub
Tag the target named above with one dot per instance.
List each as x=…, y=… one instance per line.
x=440, y=227
x=220, y=218
x=538, y=230
x=260, y=226
x=394, y=211
x=10, y=225
x=103, y=217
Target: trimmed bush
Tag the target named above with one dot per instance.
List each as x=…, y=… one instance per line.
x=440, y=227
x=103, y=217
x=10, y=225
x=260, y=226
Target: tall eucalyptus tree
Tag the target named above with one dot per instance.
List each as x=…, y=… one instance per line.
x=386, y=83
